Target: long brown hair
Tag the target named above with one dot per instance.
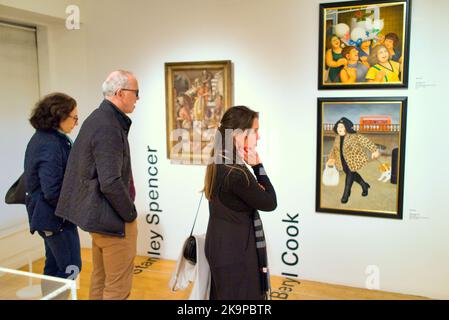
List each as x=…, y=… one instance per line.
x=372, y=58
x=238, y=117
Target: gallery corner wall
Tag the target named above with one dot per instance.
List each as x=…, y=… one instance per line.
x=61, y=67
x=273, y=46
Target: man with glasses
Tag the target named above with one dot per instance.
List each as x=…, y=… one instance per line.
x=98, y=190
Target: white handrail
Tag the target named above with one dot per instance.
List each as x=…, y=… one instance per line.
x=68, y=284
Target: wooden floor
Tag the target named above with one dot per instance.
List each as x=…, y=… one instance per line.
x=152, y=276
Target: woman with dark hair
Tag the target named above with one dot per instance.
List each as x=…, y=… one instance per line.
x=45, y=161
x=334, y=59
x=235, y=244
x=391, y=42
x=354, y=71
x=349, y=154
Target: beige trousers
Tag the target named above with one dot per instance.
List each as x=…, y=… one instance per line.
x=113, y=264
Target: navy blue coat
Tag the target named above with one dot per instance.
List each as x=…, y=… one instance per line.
x=45, y=162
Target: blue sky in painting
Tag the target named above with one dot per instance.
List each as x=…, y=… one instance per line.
x=334, y=111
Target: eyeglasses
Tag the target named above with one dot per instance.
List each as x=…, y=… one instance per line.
x=135, y=91
x=74, y=118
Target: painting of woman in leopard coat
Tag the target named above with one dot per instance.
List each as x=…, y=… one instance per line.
x=349, y=154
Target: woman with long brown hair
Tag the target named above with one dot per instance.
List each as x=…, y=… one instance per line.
x=235, y=244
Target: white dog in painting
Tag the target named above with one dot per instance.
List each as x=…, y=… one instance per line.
x=386, y=172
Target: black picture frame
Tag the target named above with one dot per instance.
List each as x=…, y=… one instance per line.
x=385, y=197
x=400, y=9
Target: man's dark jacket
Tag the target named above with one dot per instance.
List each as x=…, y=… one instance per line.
x=45, y=161
x=96, y=191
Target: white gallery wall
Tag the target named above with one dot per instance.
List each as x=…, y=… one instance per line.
x=60, y=65
x=273, y=46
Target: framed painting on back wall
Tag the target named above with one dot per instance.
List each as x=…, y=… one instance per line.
x=364, y=44
x=360, y=156
x=197, y=95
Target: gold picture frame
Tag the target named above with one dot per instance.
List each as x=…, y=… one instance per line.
x=197, y=95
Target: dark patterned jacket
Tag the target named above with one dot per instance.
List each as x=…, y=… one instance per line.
x=96, y=191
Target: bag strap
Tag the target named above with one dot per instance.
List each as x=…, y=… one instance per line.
x=197, y=211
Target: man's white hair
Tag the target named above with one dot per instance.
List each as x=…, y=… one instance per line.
x=116, y=80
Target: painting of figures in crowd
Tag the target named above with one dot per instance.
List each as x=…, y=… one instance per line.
x=364, y=44
x=197, y=95
x=360, y=156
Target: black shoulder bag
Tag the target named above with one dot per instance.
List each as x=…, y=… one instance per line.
x=189, y=251
x=16, y=194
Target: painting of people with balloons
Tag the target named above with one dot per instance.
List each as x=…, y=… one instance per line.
x=364, y=44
